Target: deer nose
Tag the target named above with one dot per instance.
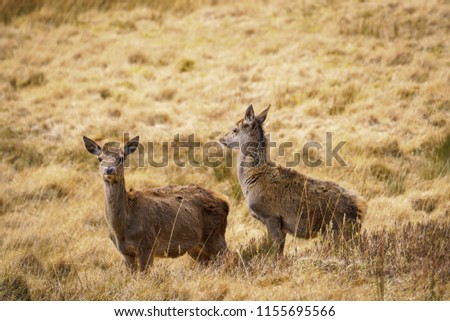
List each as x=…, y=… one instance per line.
x=109, y=171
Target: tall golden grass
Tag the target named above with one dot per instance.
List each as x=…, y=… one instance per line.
x=374, y=73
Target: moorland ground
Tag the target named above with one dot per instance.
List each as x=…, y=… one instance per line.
x=374, y=73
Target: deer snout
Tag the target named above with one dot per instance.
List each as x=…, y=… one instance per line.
x=111, y=174
x=109, y=170
x=223, y=141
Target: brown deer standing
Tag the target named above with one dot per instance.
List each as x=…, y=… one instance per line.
x=163, y=222
x=287, y=201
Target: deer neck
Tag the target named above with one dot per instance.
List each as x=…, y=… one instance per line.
x=249, y=163
x=116, y=206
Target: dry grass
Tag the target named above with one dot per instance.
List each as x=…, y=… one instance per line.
x=376, y=74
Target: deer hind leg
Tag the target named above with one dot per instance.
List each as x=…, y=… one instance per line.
x=216, y=245
x=145, y=257
x=276, y=234
x=200, y=253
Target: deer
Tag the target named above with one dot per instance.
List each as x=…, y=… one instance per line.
x=285, y=200
x=166, y=221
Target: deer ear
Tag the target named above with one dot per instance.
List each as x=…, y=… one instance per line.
x=262, y=116
x=131, y=146
x=91, y=146
x=249, y=115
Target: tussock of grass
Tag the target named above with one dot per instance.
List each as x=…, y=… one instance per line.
x=381, y=171
x=234, y=190
x=395, y=185
x=440, y=158
x=407, y=93
x=30, y=264
x=400, y=58
x=418, y=250
x=383, y=149
x=249, y=258
x=22, y=155
x=436, y=152
x=14, y=289
x=158, y=118
x=137, y=58
x=105, y=93
x=394, y=181
x=186, y=65
x=36, y=79
x=166, y=94
x=345, y=97
x=427, y=204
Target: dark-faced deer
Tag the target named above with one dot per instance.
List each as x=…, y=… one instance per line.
x=287, y=201
x=163, y=222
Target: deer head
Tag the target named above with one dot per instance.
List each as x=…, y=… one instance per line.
x=111, y=157
x=248, y=129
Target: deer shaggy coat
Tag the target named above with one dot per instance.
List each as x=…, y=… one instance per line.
x=285, y=200
x=158, y=222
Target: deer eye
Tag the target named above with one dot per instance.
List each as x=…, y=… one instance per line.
x=235, y=130
x=100, y=159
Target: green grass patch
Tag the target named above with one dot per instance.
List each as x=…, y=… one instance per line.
x=438, y=158
x=186, y=65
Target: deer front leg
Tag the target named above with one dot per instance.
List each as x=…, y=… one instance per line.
x=259, y=218
x=130, y=263
x=200, y=254
x=112, y=237
x=129, y=260
x=276, y=234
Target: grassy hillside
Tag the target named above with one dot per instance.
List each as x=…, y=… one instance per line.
x=375, y=73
